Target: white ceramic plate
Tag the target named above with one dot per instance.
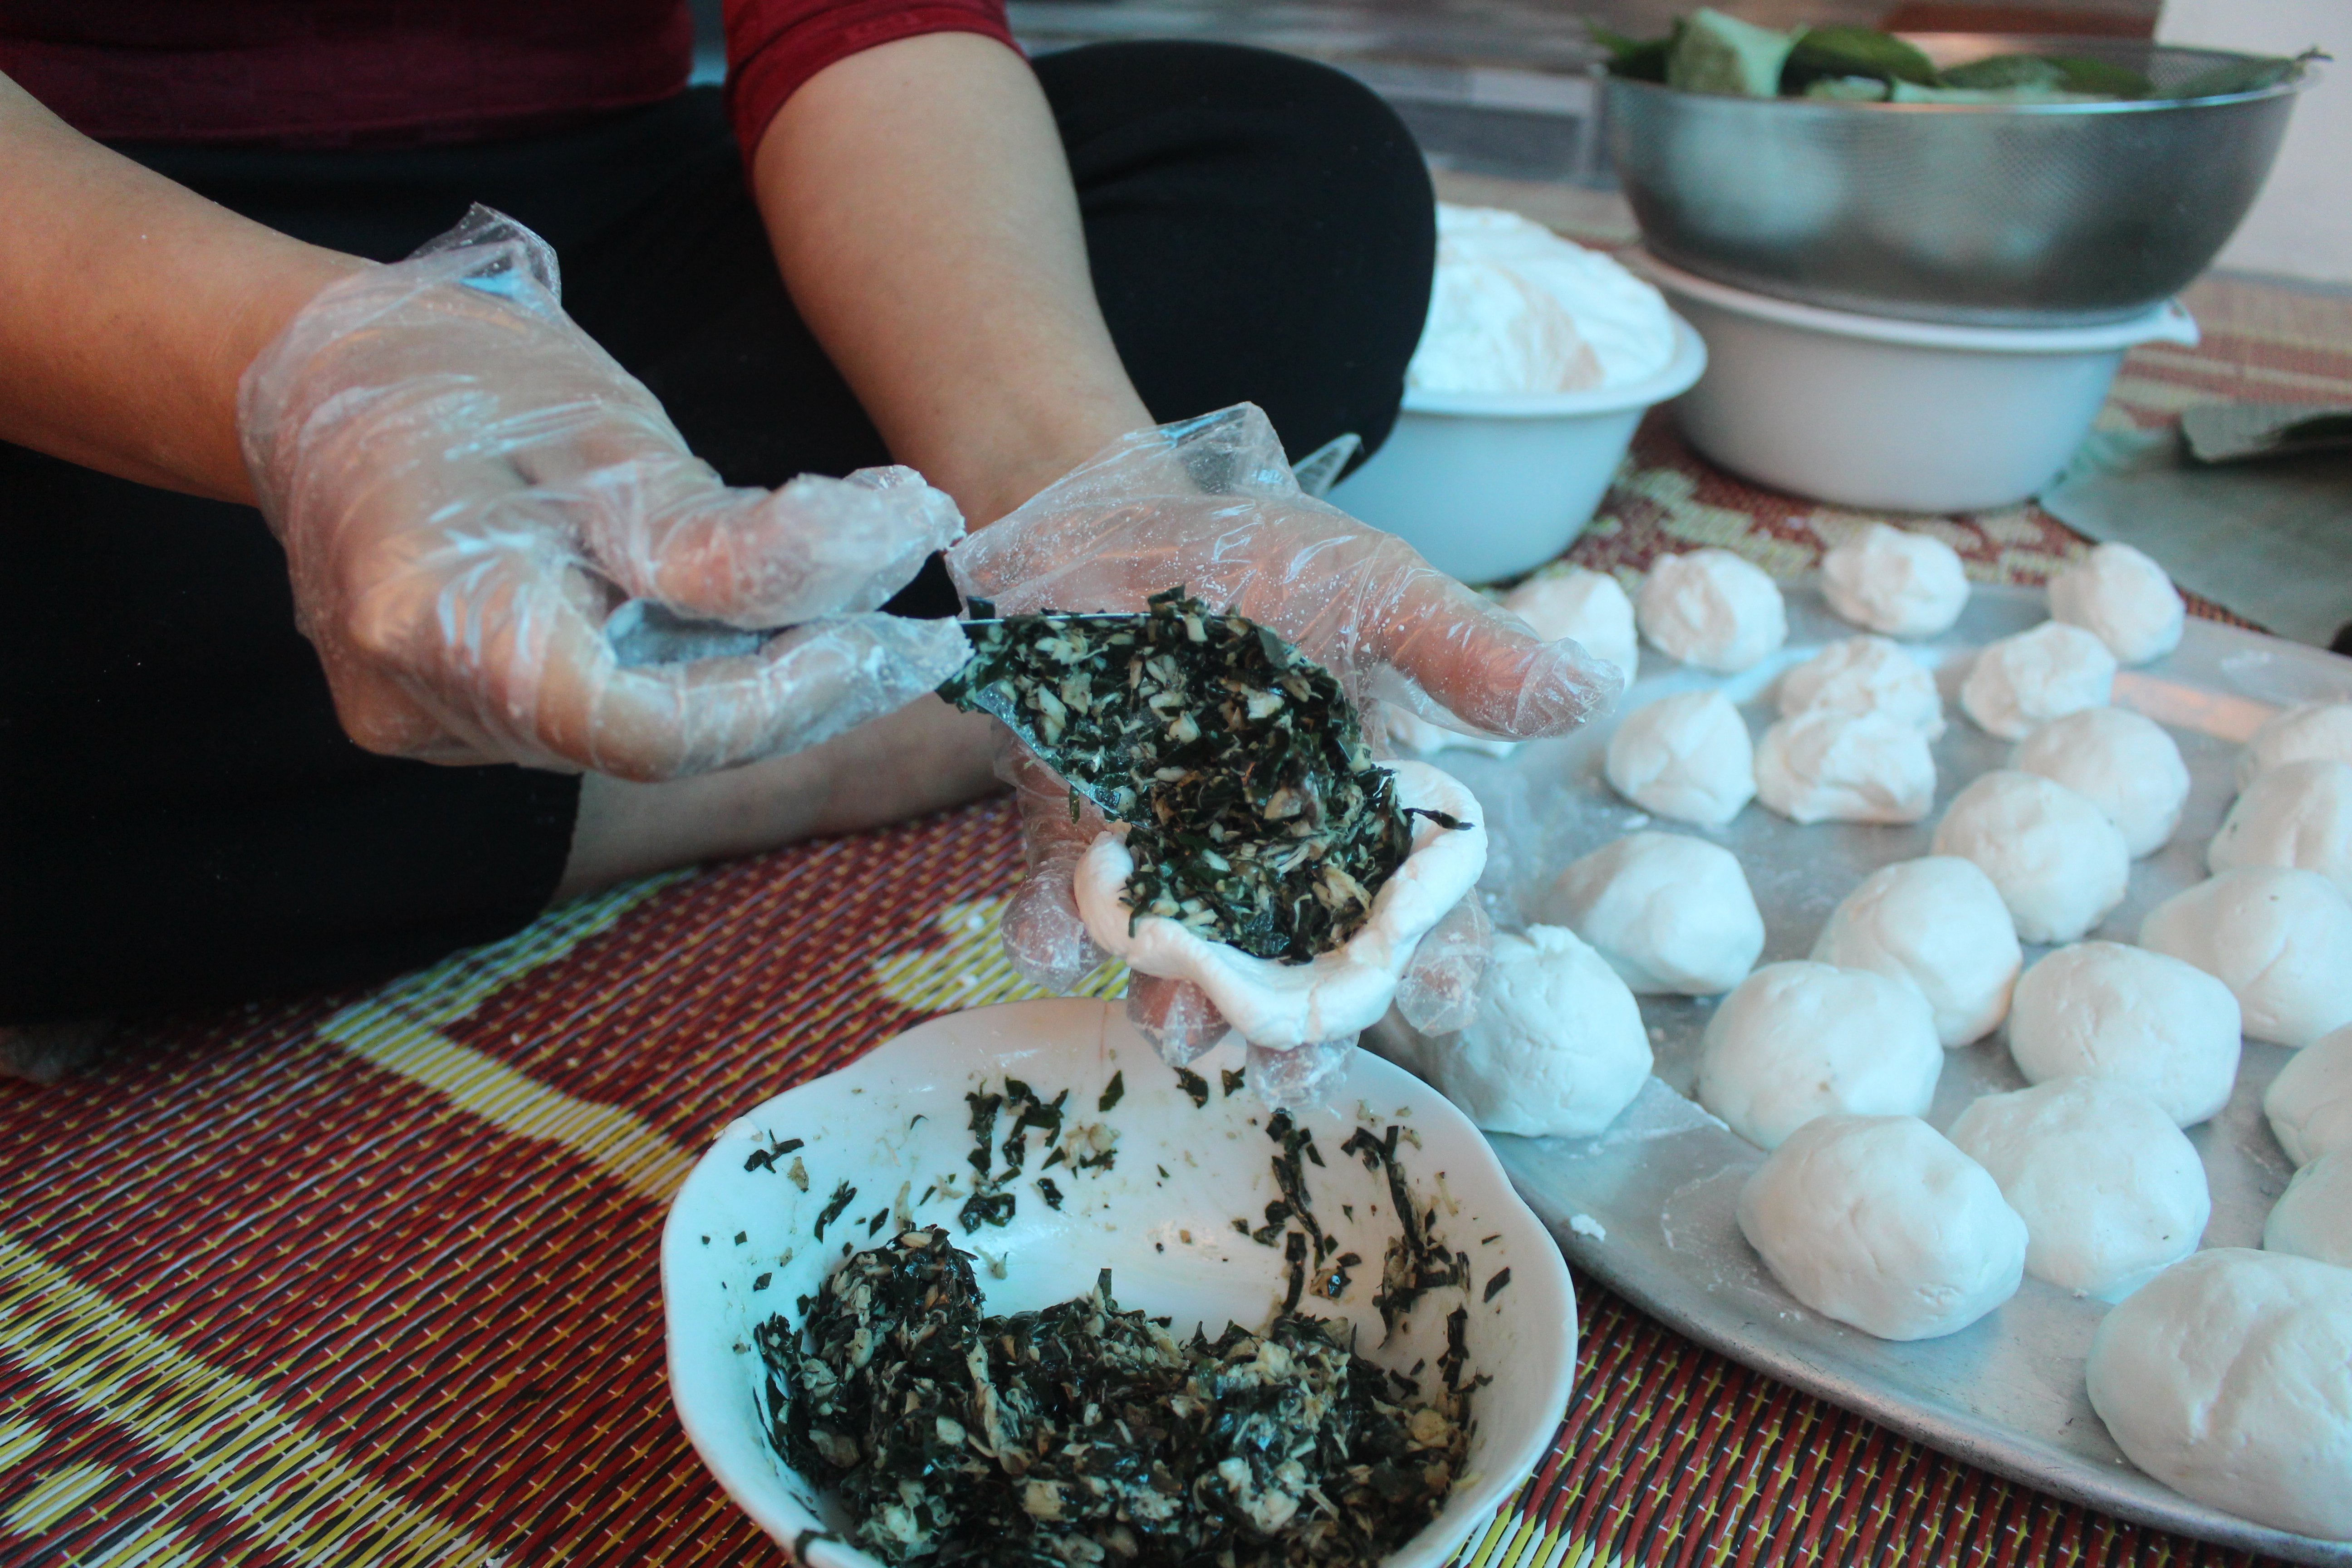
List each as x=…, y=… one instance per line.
x=895, y=1124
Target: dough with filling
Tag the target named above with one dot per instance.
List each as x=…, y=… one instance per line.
x=2111, y=1190
x=1938, y=924
x=2226, y=1378
x=1879, y=1222
x=2060, y=864
x=1668, y=912
x=1800, y=1040
x=2281, y=940
x=2121, y=762
x=2106, y=1010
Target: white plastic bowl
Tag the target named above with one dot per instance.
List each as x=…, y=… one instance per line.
x=1489, y=484
x=1169, y=1240
x=1878, y=413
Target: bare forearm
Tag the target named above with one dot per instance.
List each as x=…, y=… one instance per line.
x=921, y=210
x=132, y=305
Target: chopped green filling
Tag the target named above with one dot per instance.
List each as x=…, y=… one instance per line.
x=1256, y=815
x=1086, y=1433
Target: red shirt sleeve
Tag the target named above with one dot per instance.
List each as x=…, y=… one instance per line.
x=774, y=46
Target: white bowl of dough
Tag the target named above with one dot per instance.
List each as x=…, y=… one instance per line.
x=1877, y=413
x=1540, y=359
x=894, y=1131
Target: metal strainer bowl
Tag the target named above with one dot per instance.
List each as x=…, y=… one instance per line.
x=2011, y=215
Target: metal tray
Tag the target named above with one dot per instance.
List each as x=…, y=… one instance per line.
x=1647, y=1205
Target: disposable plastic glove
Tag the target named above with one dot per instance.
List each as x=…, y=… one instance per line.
x=1210, y=505
x=466, y=488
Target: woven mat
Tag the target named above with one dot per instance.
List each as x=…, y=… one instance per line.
x=370, y=1280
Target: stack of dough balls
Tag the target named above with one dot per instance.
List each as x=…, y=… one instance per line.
x=2111, y=1190
x=1556, y=1047
x=2121, y=762
x=1713, y=611
x=1671, y=914
x=2026, y=680
x=1937, y=924
x=1879, y=1222
x=1800, y=1040
x=1686, y=756
x=2123, y=598
x=2128, y=1015
x=1902, y=585
x=2059, y=863
x=1852, y=741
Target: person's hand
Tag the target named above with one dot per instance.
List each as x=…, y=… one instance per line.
x=467, y=487
x=1209, y=505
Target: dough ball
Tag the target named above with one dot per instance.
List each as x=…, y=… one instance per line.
x=2281, y=940
x=1827, y=766
x=2034, y=676
x=2296, y=814
x=1939, y=924
x=1412, y=735
x=1879, y=1222
x=1669, y=914
x=2119, y=761
x=2226, y=1379
x=1586, y=606
x=2100, y=1009
x=1800, y=1040
x=1711, y=609
x=1905, y=585
x=2111, y=1192
x=1556, y=1049
x=2312, y=1218
x=2058, y=863
x=1866, y=675
x=2124, y=599
x=1686, y=756
x=2322, y=729
x=2310, y=1102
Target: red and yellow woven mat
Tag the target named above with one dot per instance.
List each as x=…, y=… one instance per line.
x=370, y=1281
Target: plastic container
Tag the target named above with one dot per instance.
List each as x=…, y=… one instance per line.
x=1892, y=415
x=1490, y=485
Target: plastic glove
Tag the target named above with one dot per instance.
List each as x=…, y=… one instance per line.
x=467, y=487
x=1209, y=505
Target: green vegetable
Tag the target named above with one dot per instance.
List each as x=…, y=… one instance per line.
x=1637, y=60
x=1722, y=53
x=1998, y=71
x=1848, y=51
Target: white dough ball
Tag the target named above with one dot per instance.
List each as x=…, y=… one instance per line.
x=1712, y=609
x=1584, y=604
x=2312, y=1218
x=2310, y=1102
x=2058, y=863
x=2282, y=941
x=1669, y=914
x=1412, y=735
x=1826, y=766
x=1905, y=585
x=1686, y=756
x=1800, y=1040
x=2121, y=762
x=1879, y=1222
x=2229, y=1377
x=1866, y=675
x=2034, y=676
x=2322, y=729
x=2124, y=599
x=2296, y=814
x=1557, y=1048
x=2111, y=1192
x=2104, y=1010
x=1939, y=924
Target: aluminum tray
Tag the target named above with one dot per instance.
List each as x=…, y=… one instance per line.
x=1647, y=1205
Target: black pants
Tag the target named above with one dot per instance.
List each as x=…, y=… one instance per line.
x=181, y=817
